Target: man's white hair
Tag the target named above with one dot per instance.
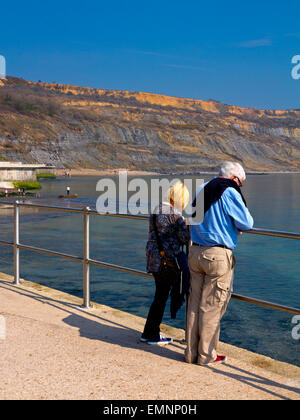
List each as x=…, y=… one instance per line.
x=229, y=169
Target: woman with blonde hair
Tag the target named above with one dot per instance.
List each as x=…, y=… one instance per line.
x=167, y=234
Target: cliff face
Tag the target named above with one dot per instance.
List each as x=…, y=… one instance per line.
x=91, y=128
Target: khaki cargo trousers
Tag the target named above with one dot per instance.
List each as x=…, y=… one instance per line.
x=211, y=286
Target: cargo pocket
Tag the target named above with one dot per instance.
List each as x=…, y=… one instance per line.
x=215, y=265
x=222, y=292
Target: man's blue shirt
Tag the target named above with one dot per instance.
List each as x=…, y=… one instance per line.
x=223, y=221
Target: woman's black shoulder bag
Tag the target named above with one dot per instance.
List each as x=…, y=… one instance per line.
x=166, y=263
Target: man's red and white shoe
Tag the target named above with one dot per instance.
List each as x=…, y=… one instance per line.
x=219, y=359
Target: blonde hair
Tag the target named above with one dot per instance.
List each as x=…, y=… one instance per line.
x=178, y=195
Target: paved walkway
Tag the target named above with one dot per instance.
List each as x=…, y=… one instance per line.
x=54, y=349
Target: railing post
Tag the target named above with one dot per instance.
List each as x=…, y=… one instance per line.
x=86, y=256
x=16, y=243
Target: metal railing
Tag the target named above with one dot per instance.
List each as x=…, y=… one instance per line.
x=87, y=261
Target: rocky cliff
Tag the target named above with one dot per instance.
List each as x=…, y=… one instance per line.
x=76, y=127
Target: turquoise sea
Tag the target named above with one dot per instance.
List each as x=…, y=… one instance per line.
x=267, y=268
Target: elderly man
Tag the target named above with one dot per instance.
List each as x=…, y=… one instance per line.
x=211, y=262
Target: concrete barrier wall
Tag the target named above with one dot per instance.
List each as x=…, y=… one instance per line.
x=16, y=174
x=45, y=171
x=23, y=174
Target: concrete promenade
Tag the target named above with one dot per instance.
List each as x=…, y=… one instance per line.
x=55, y=349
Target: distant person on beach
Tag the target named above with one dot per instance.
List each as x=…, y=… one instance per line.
x=167, y=234
x=211, y=261
x=68, y=191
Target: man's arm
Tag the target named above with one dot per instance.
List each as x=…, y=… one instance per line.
x=236, y=209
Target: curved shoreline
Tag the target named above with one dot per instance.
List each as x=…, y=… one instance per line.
x=114, y=172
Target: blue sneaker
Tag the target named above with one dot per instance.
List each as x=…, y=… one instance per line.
x=144, y=340
x=161, y=341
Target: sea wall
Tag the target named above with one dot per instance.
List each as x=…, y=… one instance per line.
x=19, y=172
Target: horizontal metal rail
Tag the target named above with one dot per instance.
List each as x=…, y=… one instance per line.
x=6, y=243
x=86, y=261
x=49, y=252
x=277, y=233
x=266, y=304
x=144, y=274
x=120, y=268
x=256, y=231
x=74, y=210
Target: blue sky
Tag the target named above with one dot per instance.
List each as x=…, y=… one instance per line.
x=236, y=52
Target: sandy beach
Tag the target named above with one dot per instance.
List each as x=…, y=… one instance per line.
x=114, y=172
x=101, y=172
